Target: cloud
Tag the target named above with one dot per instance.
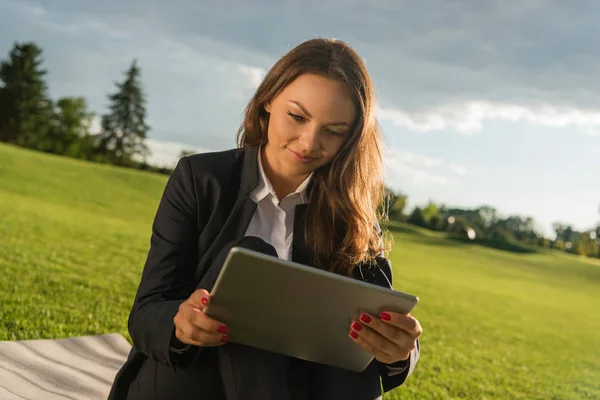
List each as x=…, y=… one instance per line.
x=196, y=91
x=458, y=169
x=469, y=117
x=166, y=154
x=406, y=167
x=254, y=75
x=456, y=67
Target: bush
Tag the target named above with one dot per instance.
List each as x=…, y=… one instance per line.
x=436, y=223
x=502, y=235
x=417, y=218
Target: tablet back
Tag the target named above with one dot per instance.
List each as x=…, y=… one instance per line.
x=296, y=310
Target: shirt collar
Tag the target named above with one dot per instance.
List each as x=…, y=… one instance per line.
x=265, y=188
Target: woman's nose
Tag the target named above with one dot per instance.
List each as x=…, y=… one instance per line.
x=309, y=139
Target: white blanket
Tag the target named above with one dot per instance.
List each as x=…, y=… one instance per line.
x=78, y=368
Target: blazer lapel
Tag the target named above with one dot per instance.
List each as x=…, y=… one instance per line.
x=237, y=222
x=299, y=251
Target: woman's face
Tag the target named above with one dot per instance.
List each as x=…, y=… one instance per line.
x=309, y=122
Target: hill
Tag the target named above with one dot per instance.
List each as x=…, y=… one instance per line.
x=496, y=324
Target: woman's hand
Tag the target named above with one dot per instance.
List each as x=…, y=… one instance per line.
x=194, y=327
x=390, y=338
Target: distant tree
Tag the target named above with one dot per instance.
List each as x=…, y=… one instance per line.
x=430, y=210
x=563, y=232
x=26, y=109
x=436, y=223
x=558, y=245
x=397, y=212
x=586, y=245
x=417, y=218
x=472, y=218
x=185, y=153
x=459, y=226
x=5, y=113
x=124, y=128
x=489, y=215
x=69, y=133
x=544, y=242
x=501, y=234
x=521, y=228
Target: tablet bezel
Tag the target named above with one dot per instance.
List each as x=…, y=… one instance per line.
x=308, y=326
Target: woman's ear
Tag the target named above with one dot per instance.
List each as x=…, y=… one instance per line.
x=268, y=107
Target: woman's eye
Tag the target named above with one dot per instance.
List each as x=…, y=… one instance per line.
x=334, y=133
x=295, y=117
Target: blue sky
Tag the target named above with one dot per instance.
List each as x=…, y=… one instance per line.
x=480, y=102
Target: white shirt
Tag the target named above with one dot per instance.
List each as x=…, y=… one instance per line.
x=273, y=222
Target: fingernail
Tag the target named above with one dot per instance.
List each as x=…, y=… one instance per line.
x=224, y=339
x=354, y=334
x=385, y=316
x=365, y=318
x=204, y=301
x=222, y=329
x=356, y=326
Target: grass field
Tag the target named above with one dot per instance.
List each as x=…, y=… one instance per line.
x=497, y=325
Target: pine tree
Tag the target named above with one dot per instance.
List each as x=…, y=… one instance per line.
x=25, y=109
x=124, y=128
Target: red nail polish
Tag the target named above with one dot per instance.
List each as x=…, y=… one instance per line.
x=354, y=335
x=385, y=316
x=356, y=326
x=222, y=329
x=365, y=318
x=204, y=301
x=224, y=339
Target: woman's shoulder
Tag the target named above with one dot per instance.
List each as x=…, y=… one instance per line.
x=219, y=165
x=227, y=168
x=216, y=159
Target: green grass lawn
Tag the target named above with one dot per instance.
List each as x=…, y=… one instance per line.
x=74, y=236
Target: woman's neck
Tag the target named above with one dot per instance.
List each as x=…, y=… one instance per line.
x=282, y=184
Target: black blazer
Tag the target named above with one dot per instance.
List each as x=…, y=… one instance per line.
x=205, y=206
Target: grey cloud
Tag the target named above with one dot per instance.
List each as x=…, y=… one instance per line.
x=421, y=56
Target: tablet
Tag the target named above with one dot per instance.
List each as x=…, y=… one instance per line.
x=296, y=310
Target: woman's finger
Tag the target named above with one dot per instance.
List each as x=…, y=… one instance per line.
x=390, y=332
x=399, y=337
x=379, y=342
x=193, y=326
x=407, y=323
x=189, y=334
x=202, y=321
x=199, y=299
x=372, y=348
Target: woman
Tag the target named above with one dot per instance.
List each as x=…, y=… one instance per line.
x=304, y=185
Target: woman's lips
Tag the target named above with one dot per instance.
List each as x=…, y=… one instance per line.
x=300, y=157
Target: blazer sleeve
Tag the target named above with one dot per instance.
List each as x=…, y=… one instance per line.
x=392, y=375
x=168, y=275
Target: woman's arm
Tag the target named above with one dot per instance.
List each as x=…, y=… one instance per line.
x=168, y=275
x=392, y=375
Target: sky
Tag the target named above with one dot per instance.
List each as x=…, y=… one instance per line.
x=481, y=103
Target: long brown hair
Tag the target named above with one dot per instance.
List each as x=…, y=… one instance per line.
x=341, y=228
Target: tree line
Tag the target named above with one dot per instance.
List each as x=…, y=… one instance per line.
x=484, y=225
x=30, y=118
